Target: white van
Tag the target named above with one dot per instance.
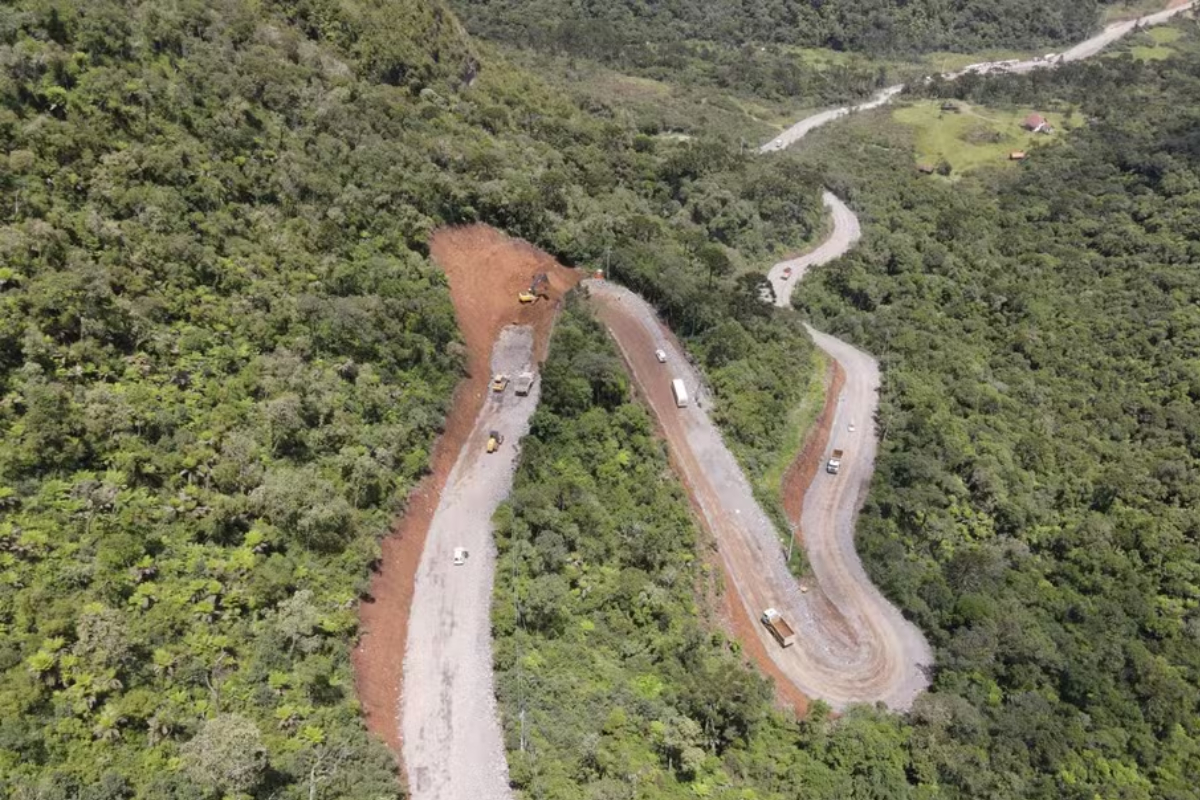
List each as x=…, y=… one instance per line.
x=680, y=392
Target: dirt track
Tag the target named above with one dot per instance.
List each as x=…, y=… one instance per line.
x=851, y=645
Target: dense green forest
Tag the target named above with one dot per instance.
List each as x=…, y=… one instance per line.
x=1035, y=503
x=224, y=354
x=635, y=32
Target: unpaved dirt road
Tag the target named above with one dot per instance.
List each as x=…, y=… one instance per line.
x=453, y=742
x=852, y=646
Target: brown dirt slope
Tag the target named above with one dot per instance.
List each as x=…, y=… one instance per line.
x=802, y=471
x=486, y=270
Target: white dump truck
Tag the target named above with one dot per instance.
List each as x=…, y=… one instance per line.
x=680, y=393
x=834, y=463
x=779, y=627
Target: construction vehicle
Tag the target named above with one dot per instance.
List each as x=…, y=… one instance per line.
x=495, y=439
x=680, y=392
x=835, y=462
x=460, y=556
x=539, y=286
x=779, y=627
x=499, y=382
x=524, y=384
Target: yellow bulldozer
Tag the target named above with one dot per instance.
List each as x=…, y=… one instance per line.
x=495, y=439
x=539, y=286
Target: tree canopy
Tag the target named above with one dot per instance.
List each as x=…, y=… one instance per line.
x=224, y=354
x=631, y=29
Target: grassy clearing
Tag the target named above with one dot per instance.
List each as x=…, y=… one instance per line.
x=1131, y=9
x=667, y=110
x=1144, y=53
x=977, y=136
x=1153, y=44
x=1163, y=34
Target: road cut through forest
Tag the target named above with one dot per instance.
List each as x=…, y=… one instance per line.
x=853, y=646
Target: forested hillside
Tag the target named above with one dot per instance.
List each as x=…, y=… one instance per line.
x=630, y=31
x=224, y=354
x=1035, y=503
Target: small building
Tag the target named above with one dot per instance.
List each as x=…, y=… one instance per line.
x=1018, y=155
x=1036, y=123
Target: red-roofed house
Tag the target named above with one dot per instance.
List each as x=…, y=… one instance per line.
x=1036, y=123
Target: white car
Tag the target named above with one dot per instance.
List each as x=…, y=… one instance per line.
x=460, y=556
x=661, y=356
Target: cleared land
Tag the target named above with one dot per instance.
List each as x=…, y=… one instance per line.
x=1154, y=44
x=485, y=270
x=975, y=136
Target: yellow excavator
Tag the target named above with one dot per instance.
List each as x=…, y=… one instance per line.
x=495, y=439
x=539, y=286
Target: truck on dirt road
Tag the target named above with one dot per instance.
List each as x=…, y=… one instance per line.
x=834, y=463
x=523, y=384
x=499, y=382
x=779, y=627
x=680, y=393
x=495, y=439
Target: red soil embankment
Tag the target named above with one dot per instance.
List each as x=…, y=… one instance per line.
x=485, y=269
x=800, y=474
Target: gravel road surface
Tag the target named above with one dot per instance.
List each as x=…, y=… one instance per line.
x=851, y=645
x=846, y=232
x=453, y=740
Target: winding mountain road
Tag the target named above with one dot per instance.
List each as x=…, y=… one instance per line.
x=852, y=645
